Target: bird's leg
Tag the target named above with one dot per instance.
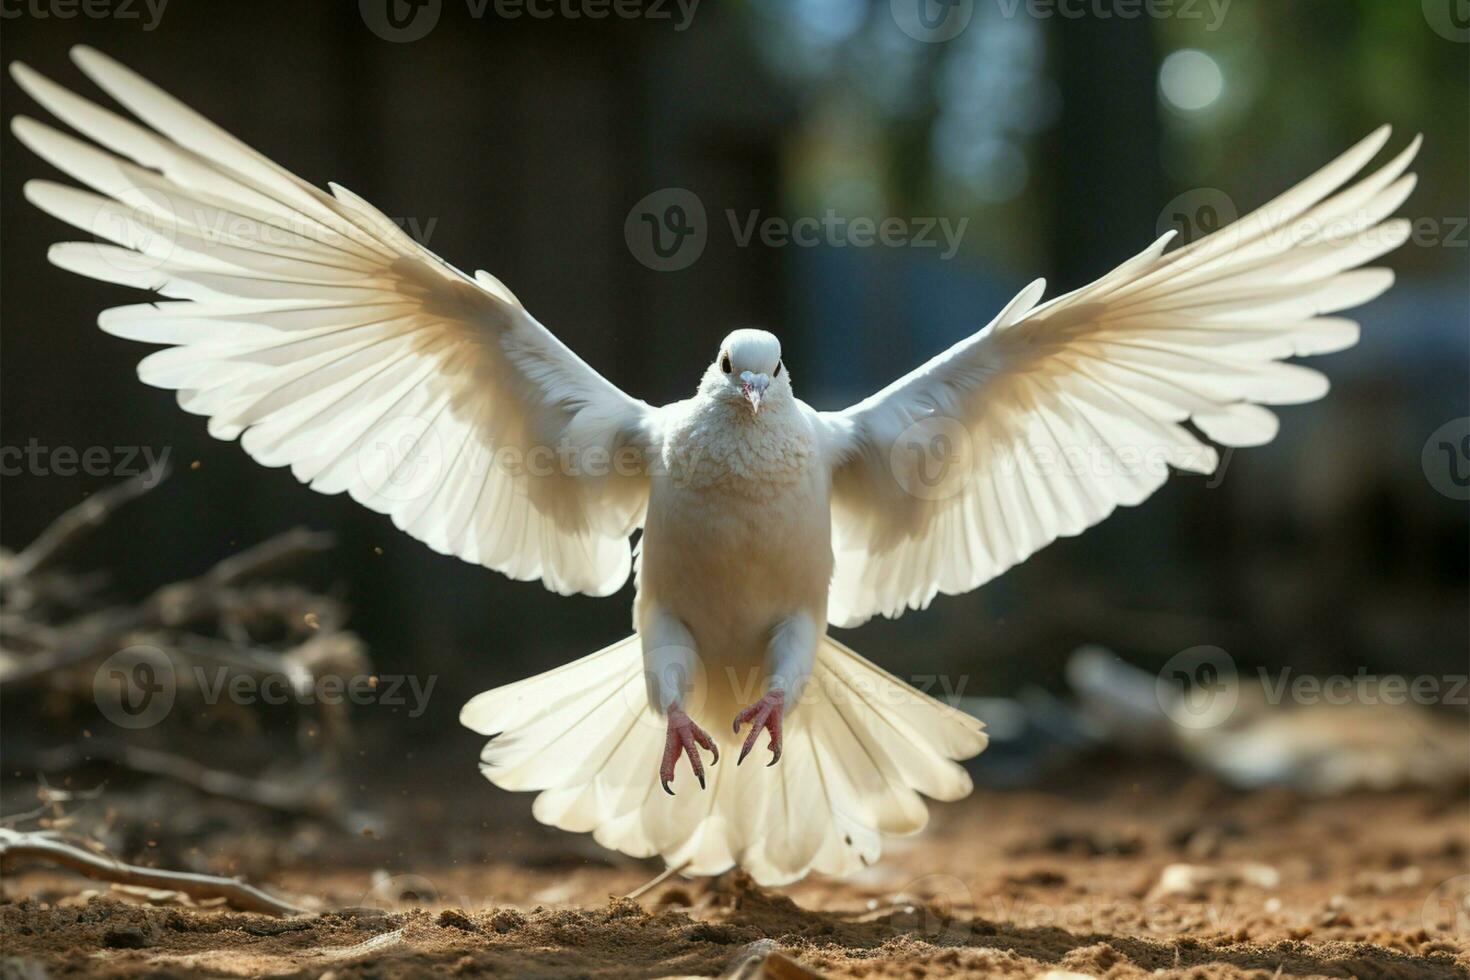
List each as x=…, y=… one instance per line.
x=669, y=664
x=682, y=738
x=765, y=713
x=789, y=656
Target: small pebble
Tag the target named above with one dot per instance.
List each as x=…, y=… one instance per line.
x=126, y=937
x=457, y=919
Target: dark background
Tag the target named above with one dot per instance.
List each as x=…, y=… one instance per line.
x=519, y=146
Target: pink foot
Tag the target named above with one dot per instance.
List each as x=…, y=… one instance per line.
x=765, y=713
x=682, y=738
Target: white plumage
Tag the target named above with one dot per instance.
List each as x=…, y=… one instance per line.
x=307, y=325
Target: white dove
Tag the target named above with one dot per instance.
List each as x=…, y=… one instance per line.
x=307, y=325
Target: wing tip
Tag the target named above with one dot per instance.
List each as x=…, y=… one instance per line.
x=1357, y=156
x=40, y=88
x=22, y=73
x=1397, y=228
x=105, y=71
x=1384, y=276
x=35, y=189
x=1020, y=305
x=24, y=127
x=31, y=82
x=83, y=54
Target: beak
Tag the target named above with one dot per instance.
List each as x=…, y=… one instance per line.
x=753, y=387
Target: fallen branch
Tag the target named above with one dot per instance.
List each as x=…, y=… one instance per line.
x=658, y=879
x=311, y=796
x=103, y=632
x=17, y=845
x=235, y=617
x=269, y=556
x=77, y=523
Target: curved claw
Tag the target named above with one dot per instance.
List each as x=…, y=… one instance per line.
x=683, y=737
x=765, y=713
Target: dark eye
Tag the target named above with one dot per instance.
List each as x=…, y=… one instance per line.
x=725, y=363
x=778, y=370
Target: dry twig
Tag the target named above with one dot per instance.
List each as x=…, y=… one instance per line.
x=74, y=525
x=15, y=845
x=236, y=616
x=171, y=606
x=310, y=795
x=658, y=879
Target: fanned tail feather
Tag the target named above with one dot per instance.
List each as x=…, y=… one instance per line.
x=860, y=748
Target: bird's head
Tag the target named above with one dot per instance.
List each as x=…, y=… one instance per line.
x=748, y=371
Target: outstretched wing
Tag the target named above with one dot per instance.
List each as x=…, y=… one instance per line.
x=314, y=329
x=1043, y=422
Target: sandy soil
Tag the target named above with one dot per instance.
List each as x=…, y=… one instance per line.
x=1155, y=876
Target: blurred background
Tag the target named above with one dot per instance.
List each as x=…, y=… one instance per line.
x=1011, y=138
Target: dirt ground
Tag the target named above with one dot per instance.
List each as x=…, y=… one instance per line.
x=1158, y=875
